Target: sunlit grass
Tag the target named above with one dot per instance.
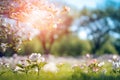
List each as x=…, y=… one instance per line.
x=65, y=73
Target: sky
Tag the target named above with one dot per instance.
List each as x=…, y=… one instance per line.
x=79, y=4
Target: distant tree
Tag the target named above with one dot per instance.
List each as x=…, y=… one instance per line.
x=72, y=46
x=117, y=45
x=100, y=23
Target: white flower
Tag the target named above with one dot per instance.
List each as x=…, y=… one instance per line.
x=41, y=59
x=7, y=65
x=34, y=57
x=101, y=64
x=115, y=57
x=4, y=46
x=50, y=67
x=36, y=69
x=23, y=63
x=116, y=64
x=110, y=60
x=1, y=63
x=88, y=55
x=17, y=68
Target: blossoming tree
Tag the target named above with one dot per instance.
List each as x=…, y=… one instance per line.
x=51, y=21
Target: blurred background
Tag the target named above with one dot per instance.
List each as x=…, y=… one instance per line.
x=91, y=26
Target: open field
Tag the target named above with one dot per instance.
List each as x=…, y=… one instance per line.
x=106, y=67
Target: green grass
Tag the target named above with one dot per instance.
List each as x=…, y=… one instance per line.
x=65, y=73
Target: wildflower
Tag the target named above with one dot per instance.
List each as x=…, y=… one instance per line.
x=34, y=57
x=50, y=67
x=41, y=59
x=7, y=65
x=115, y=57
x=95, y=69
x=4, y=46
x=116, y=64
x=101, y=64
x=1, y=63
x=88, y=55
x=15, y=56
x=110, y=60
x=93, y=61
x=24, y=63
x=17, y=69
x=95, y=66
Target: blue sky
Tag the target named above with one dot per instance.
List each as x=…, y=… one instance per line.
x=79, y=4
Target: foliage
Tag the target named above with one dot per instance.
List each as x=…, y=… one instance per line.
x=71, y=45
x=31, y=46
x=117, y=45
x=108, y=47
x=101, y=23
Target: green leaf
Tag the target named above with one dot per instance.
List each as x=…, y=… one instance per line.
x=28, y=61
x=42, y=64
x=34, y=65
x=19, y=65
x=21, y=70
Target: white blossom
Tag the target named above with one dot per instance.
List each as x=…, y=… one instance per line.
x=50, y=67
x=23, y=63
x=1, y=63
x=88, y=55
x=101, y=64
x=17, y=68
x=116, y=64
x=4, y=46
x=7, y=65
x=41, y=59
x=34, y=57
x=115, y=57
